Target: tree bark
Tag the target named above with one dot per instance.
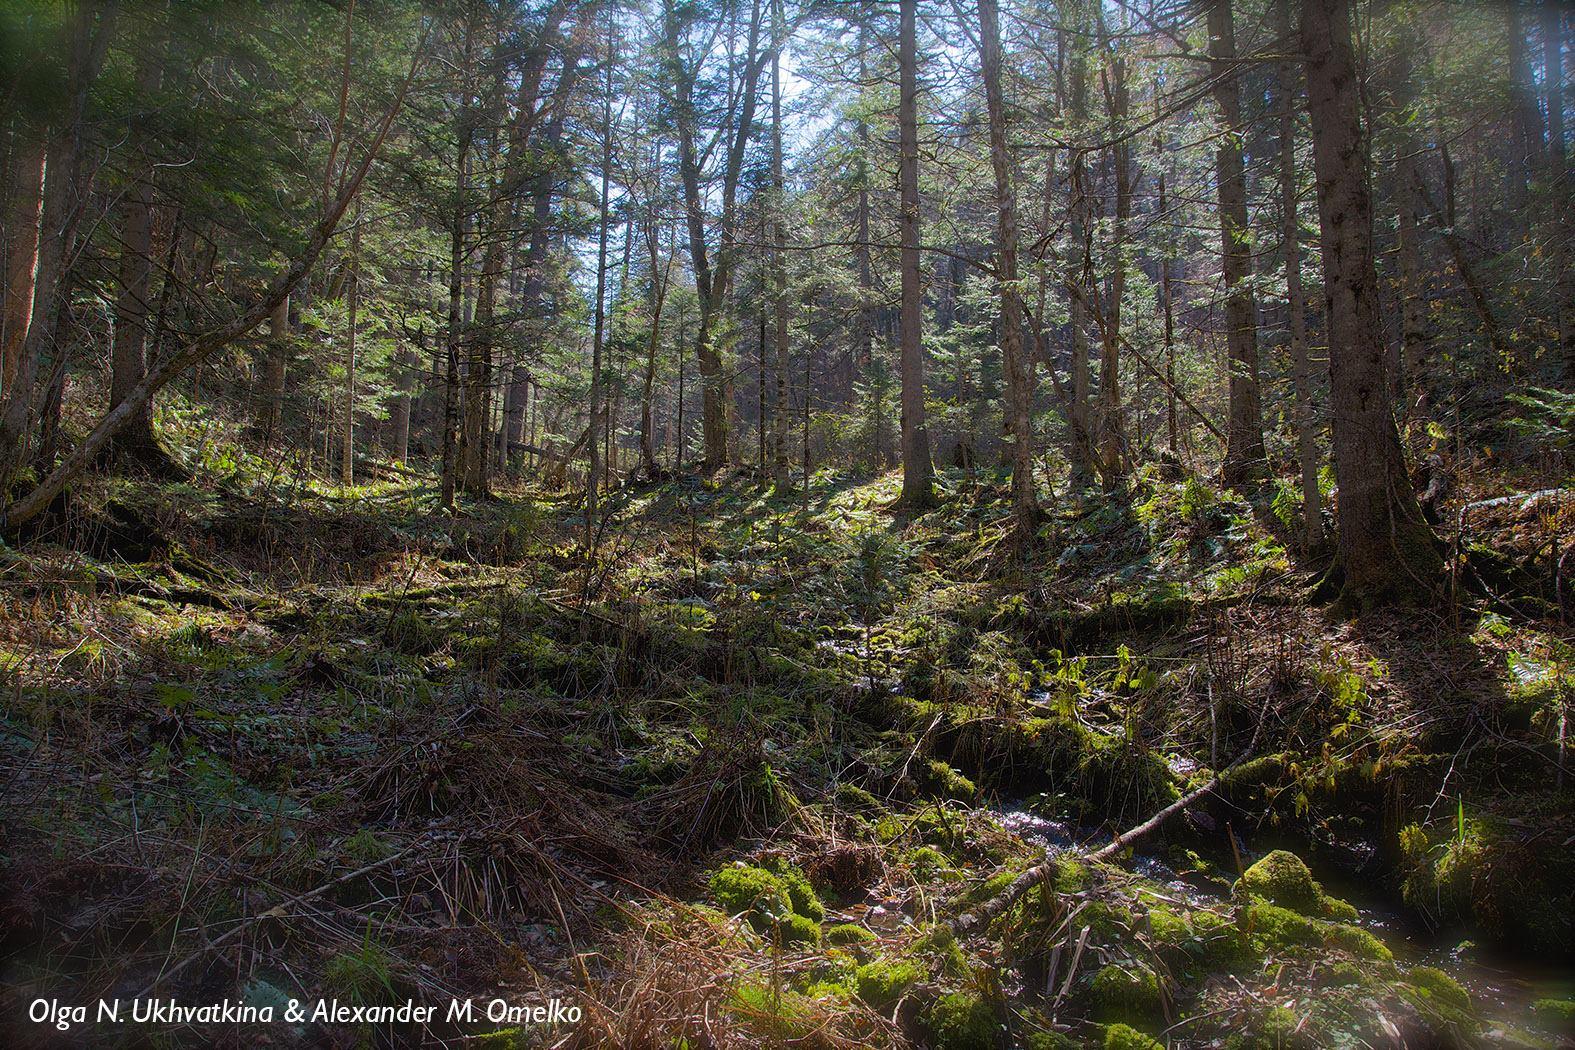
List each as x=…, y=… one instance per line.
x=1111, y=436
x=1559, y=178
x=711, y=283
x=918, y=471
x=1296, y=301
x=1412, y=385
x=1244, y=455
x=347, y=425
x=1387, y=552
x=780, y=471
x=63, y=202
x=129, y=350
x=22, y=260
x=1018, y=365
x=1079, y=414
x=276, y=356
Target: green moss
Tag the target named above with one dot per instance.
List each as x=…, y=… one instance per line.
x=746, y=890
x=1486, y=873
x=1358, y=942
x=1125, y=1037
x=943, y=781
x=854, y=798
x=1440, y=987
x=1282, y=878
x=835, y=991
x=1559, y=1011
x=1127, y=993
x=927, y=861
x=991, y=887
x=848, y=933
x=781, y=898
x=1344, y=974
x=1072, y=876
x=881, y=982
x=1275, y=929
x=801, y=895
x=798, y=929
x=1441, y=999
x=1217, y=942
x=1168, y=928
x=963, y=1021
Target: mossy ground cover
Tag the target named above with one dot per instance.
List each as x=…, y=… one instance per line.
x=800, y=722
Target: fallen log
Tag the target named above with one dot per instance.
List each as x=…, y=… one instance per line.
x=984, y=914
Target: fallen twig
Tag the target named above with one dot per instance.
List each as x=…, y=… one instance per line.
x=982, y=916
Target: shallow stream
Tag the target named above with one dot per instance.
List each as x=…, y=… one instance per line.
x=1503, y=986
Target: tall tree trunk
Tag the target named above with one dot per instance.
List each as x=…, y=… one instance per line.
x=1411, y=384
x=711, y=283
x=1018, y=365
x=128, y=356
x=783, y=414
x=1111, y=437
x=598, y=334
x=653, y=346
x=864, y=321
x=1167, y=306
x=276, y=357
x=918, y=472
x=1525, y=121
x=405, y=363
x=459, y=221
x=475, y=474
x=22, y=260
x=63, y=201
x=1559, y=179
x=347, y=424
x=1079, y=412
x=1244, y=455
x=1296, y=302
x=1386, y=549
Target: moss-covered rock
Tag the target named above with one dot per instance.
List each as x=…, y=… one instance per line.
x=881, y=982
x=855, y=799
x=1358, y=942
x=801, y=895
x=927, y=861
x=1488, y=874
x=1129, y=994
x=1442, y=1001
x=963, y=1021
x=1274, y=929
x=1555, y=1011
x=1217, y=941
x=1282, y=878
x=1440, y=987
x=941, y=780
x=1125, y=1037
x=779, y=900
x=848, y=933
x=798, y=929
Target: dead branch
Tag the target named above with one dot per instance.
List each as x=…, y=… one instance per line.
x=983, y=915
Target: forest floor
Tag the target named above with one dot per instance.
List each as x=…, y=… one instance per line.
x=733, y=779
